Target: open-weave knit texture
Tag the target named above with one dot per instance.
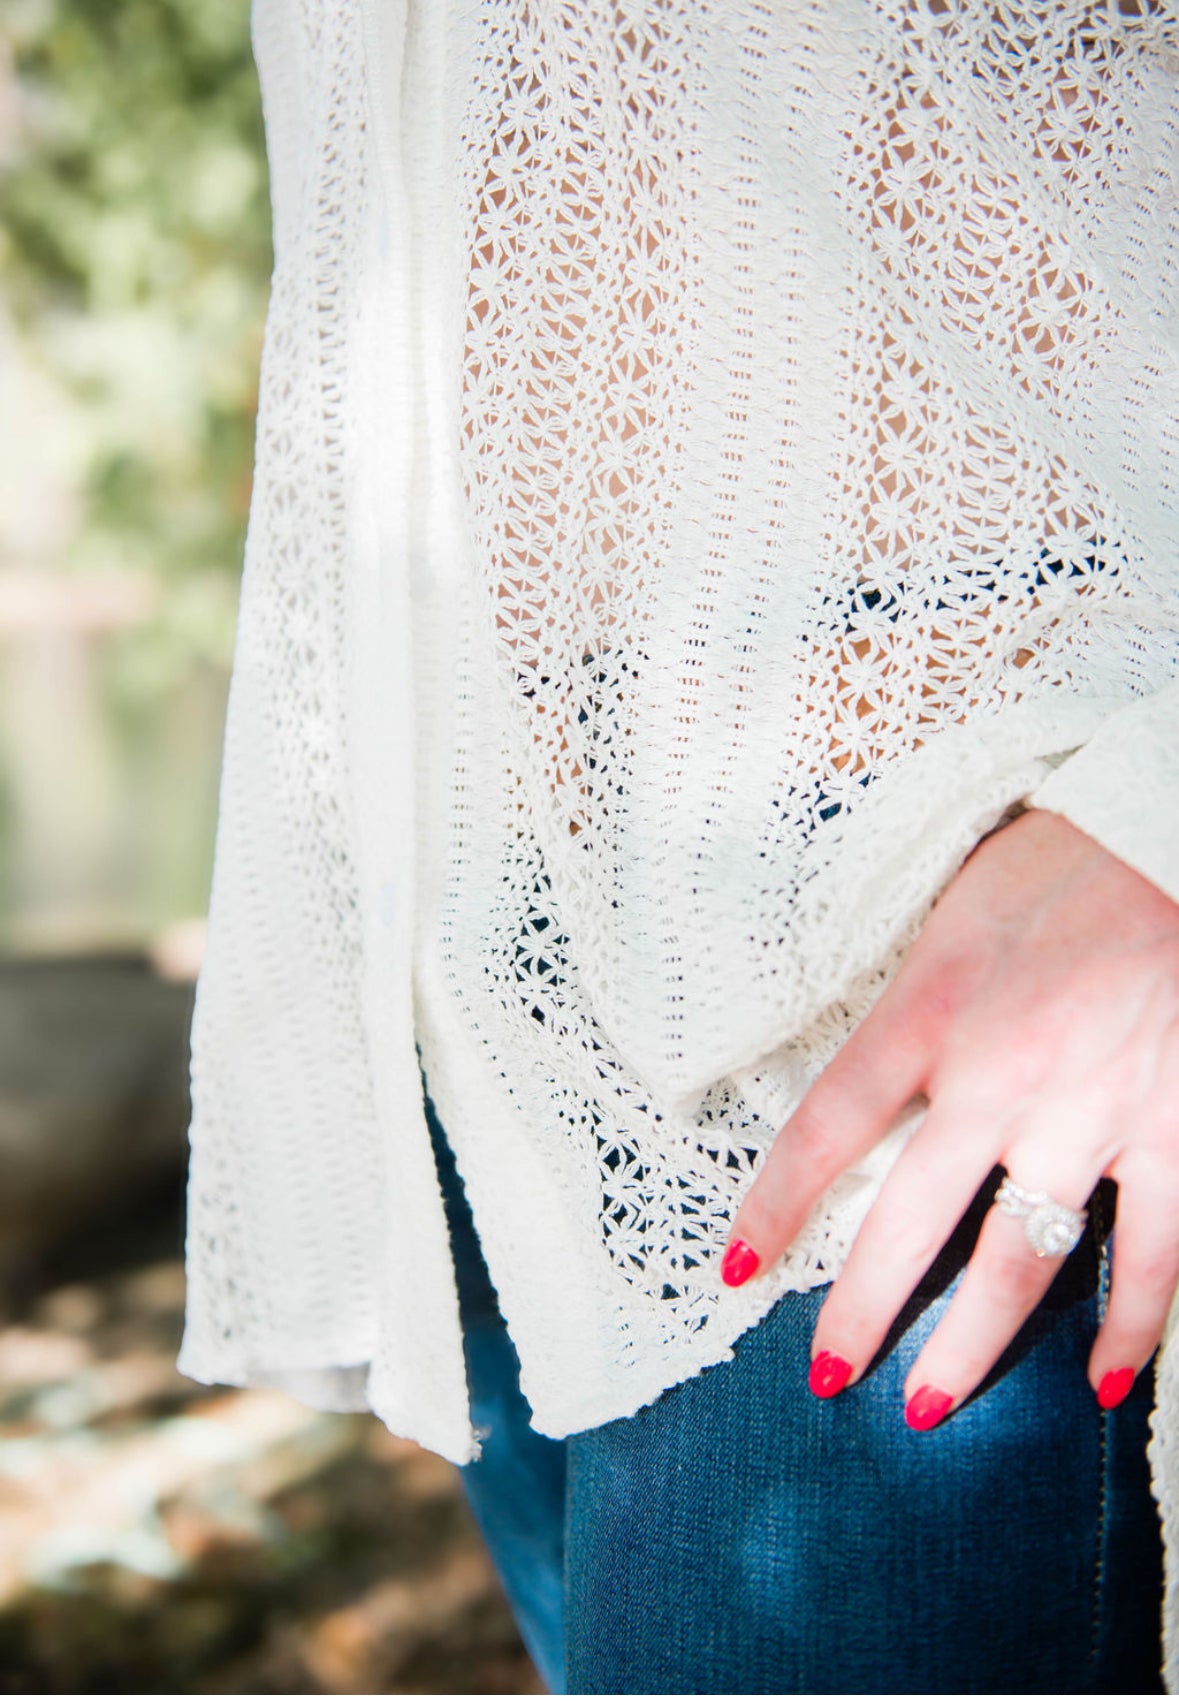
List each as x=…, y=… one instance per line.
x=715, y=461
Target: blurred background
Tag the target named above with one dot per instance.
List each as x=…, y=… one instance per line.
x=155, y=1534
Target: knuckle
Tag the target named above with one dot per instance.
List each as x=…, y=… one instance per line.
x=1014, y=1275
x=765, y=1220
x=816, y=1146
x=1153, y=1271
x=945, y=993
x=914, y=1241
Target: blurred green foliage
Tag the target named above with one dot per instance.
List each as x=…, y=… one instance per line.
x=134, y=239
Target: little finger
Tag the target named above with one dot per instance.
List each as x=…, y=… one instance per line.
x=1145, y=1276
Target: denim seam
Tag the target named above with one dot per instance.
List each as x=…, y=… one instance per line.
x=566, y=1569
x=1099, y=1568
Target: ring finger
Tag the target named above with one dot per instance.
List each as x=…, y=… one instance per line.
x=1001, y=1286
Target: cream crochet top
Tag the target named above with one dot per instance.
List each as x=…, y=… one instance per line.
x=716, y=458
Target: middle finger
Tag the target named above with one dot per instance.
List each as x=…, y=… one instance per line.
x=923, y=1198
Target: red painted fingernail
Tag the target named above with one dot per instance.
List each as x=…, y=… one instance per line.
x=1114, y=1387
x=927, y=1408
x=829, y=1373
x=738, y=1263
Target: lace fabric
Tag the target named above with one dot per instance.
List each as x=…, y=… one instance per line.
x=714, y=464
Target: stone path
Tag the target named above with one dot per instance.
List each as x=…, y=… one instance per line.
x=157, y=1535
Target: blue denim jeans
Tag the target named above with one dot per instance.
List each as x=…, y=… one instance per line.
x=739, y=1536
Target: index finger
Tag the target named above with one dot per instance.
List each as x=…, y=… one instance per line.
x=884, y=1062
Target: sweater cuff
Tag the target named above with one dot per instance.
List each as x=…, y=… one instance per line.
x=1122, y=787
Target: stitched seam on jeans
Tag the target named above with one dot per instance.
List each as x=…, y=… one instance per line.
x=1103, y=1420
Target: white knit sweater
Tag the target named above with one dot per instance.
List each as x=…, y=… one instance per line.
x=715, y=459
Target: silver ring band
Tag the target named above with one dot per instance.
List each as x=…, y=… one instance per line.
x=1052, y=1229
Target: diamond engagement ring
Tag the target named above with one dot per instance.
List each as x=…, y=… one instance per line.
x=1052, y=1229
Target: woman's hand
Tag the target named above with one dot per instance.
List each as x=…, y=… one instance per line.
x=1038, y=1010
